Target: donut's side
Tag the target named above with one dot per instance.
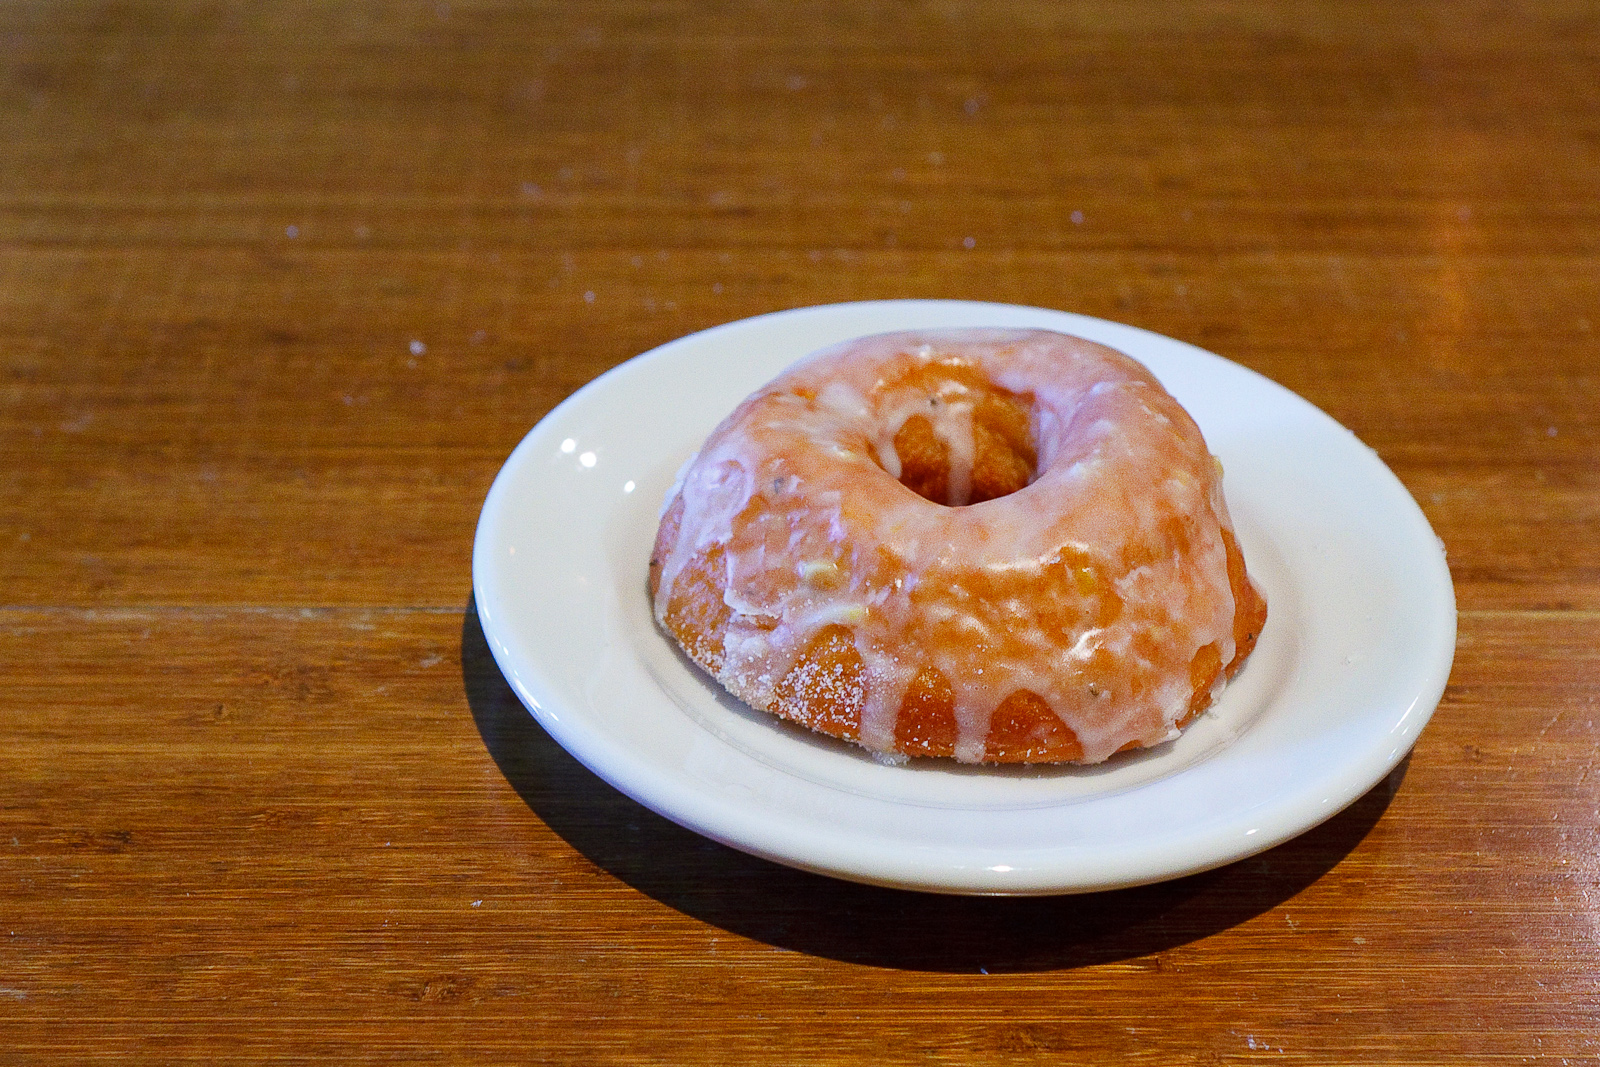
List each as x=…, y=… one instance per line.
x=826, y=688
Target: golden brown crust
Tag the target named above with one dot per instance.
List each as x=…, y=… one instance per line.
x=1003, y=454
x=697, y=615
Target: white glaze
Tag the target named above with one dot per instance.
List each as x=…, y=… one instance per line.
x=815, y=533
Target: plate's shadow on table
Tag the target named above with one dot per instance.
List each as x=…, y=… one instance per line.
x=862, y=924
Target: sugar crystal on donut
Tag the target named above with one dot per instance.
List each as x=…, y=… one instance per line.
x=1001, y=546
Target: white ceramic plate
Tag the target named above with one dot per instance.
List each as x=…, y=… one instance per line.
x=1350, y=665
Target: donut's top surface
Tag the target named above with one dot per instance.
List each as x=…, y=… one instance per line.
x=1092, y=571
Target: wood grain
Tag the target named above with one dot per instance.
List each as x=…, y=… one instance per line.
x=282, y=284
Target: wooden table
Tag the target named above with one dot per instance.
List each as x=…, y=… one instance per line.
x=282, y=284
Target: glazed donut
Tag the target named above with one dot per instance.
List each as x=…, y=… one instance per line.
x=1005, y=546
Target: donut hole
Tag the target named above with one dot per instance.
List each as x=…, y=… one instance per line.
x=966, y=440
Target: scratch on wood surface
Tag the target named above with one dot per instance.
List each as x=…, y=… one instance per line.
x=1588, y=766
x=1546, y=727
